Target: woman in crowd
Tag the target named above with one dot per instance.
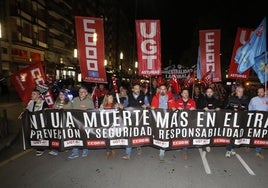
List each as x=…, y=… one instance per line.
x=62, y=102
x=108, y=102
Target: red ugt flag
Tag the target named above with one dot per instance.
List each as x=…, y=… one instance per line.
x=148, y=47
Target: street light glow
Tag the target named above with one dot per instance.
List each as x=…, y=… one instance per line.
x=105, y=62
x=136, y=64
x=75, y=53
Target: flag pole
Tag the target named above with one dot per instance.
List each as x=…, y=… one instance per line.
x=265, y=77
x=150, y=80
x=265, y=65
x=193, y=90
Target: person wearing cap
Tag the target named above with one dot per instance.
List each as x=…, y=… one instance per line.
x=37, y=104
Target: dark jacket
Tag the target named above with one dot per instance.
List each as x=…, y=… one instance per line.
x=237, y=104
x=199, y=100
x=138, y=102
x=210, y=103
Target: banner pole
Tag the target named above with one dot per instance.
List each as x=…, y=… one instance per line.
x=22, y=131
x=23, y=139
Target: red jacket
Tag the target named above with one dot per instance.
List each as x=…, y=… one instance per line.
x=171, y=101
x=189, y=104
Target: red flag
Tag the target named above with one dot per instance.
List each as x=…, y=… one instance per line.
x=94, y=96
x=90, y=43
x=189, y=80
x=242, y=35
x=160, y=81
x=148, y=47
x=116, y=89
x=174, y=83
x=210, y=53
x=115, y=85
x=207, y=78
x=29, y=78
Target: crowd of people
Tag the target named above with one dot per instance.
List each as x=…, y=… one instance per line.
x=155, y=96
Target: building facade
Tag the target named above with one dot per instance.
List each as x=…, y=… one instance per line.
x=40, y=30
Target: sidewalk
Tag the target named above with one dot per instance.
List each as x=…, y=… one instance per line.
x=13, y=106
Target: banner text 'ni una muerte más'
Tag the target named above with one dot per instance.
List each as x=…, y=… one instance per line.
x=166, y=129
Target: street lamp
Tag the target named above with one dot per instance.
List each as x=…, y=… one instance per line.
x=105, y=62
x=75, y=63
x=121, y=56
x=75, y=53
x=136, y=66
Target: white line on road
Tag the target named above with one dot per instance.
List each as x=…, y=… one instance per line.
x=205, y=162
x=245, y=165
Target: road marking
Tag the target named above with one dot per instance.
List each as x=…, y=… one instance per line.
x=205, y=162
x=15, y=157
x=245, y=165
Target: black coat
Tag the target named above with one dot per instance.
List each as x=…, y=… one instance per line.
x=210, y=103
x=237, y=104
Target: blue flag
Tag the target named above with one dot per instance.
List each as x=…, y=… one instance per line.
x=261, y=67
x=198, y=71
x=254, y=47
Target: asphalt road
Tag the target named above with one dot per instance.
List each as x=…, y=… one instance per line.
x=19, y=168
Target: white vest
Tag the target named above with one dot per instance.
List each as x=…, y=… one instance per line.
x=38, y=105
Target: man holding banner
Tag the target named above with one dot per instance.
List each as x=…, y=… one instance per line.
x=163, y=99
x=36, y=104
x=185, y=102
x=136, y=99
x=259, y=103
x=237, y=102
x=82, y=102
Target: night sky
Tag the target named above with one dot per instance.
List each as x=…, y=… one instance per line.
x=180, y=24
